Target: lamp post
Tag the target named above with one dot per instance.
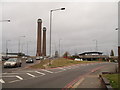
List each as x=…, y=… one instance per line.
x=28, y=46
x=7, y=47
x=96, y=45
x=118, y=52
x=4, y=20
x=59, y=46
x=51, y=25
x=20, y=43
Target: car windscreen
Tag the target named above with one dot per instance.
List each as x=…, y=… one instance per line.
x=12, y=60
x=29, y=58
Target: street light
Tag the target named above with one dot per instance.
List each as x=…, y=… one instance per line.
x=19, y=44
x=96, y=45
x=59, y=46
x=7, y=47
x=118, y=53
x=51, y=25
x=4, y=20
x=28, y=46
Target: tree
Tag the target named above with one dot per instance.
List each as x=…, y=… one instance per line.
x=65, y=55
x=56, y=54
x=111, y=53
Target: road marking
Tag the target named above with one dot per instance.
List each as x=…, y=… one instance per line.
x=2, y=81
x=30, y=75
x=19, y=77
x=13, y=81
x=40, y=73
x=7, y=76
x=47, y=71
x=67, y=67
x=59, y=71
x=78, y=83
x=62, y=68
x=10, y=73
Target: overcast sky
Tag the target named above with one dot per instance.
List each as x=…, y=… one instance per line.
x=78, y=26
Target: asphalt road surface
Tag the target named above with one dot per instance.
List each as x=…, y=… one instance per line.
x=52, y=78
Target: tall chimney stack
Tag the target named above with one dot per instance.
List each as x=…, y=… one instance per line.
x=39, y=38
x=44, y=42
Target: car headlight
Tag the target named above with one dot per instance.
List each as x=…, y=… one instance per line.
x=4, y=63
x=13, y=63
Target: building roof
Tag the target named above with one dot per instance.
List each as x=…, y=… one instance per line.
x=91, y=53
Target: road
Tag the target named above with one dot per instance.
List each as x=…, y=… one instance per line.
x=61, y=77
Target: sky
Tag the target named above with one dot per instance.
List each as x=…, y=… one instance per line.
x=77, y=28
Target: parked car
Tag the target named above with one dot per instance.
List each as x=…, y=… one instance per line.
x=13, y=62
x=39, y=58
x=29, y=60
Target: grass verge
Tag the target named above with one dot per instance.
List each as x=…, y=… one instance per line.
x=59, y=63
x=113, y=78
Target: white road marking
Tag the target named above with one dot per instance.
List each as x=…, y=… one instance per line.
x=10, y=73
x=40, y=73
x=26, y=71
x=7, y=76
x=2, y=81
x=59, y=71
x=47, y=71
x=62, y=68
x=13, y=81
x=30, y=75
x=19, y=77
x=67, y=67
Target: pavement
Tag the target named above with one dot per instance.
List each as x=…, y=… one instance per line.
x=92, y=80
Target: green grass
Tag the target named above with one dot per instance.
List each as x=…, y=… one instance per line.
x=59, y=63
x=40, y=65
x=113, y=78
x=65, y=62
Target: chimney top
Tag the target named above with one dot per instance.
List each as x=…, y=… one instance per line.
x=44, y=28
x=40, y=20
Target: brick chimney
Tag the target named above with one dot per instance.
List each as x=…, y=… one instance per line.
x=44, y=42
x=39, y=35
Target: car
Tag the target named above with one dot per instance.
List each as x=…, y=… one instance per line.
x=78, y=59
x=24, y=57
x=30, y=60
x=39, y=58
x=13, y=62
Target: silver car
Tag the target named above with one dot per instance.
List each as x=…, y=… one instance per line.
x=13, y=62
x=39, y=58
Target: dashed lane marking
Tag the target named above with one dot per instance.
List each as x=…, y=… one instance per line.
x=19, y=77
x=30, y=75
x=40, y=73
x=62, y=68
x=2, y=81
x=47, y=71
